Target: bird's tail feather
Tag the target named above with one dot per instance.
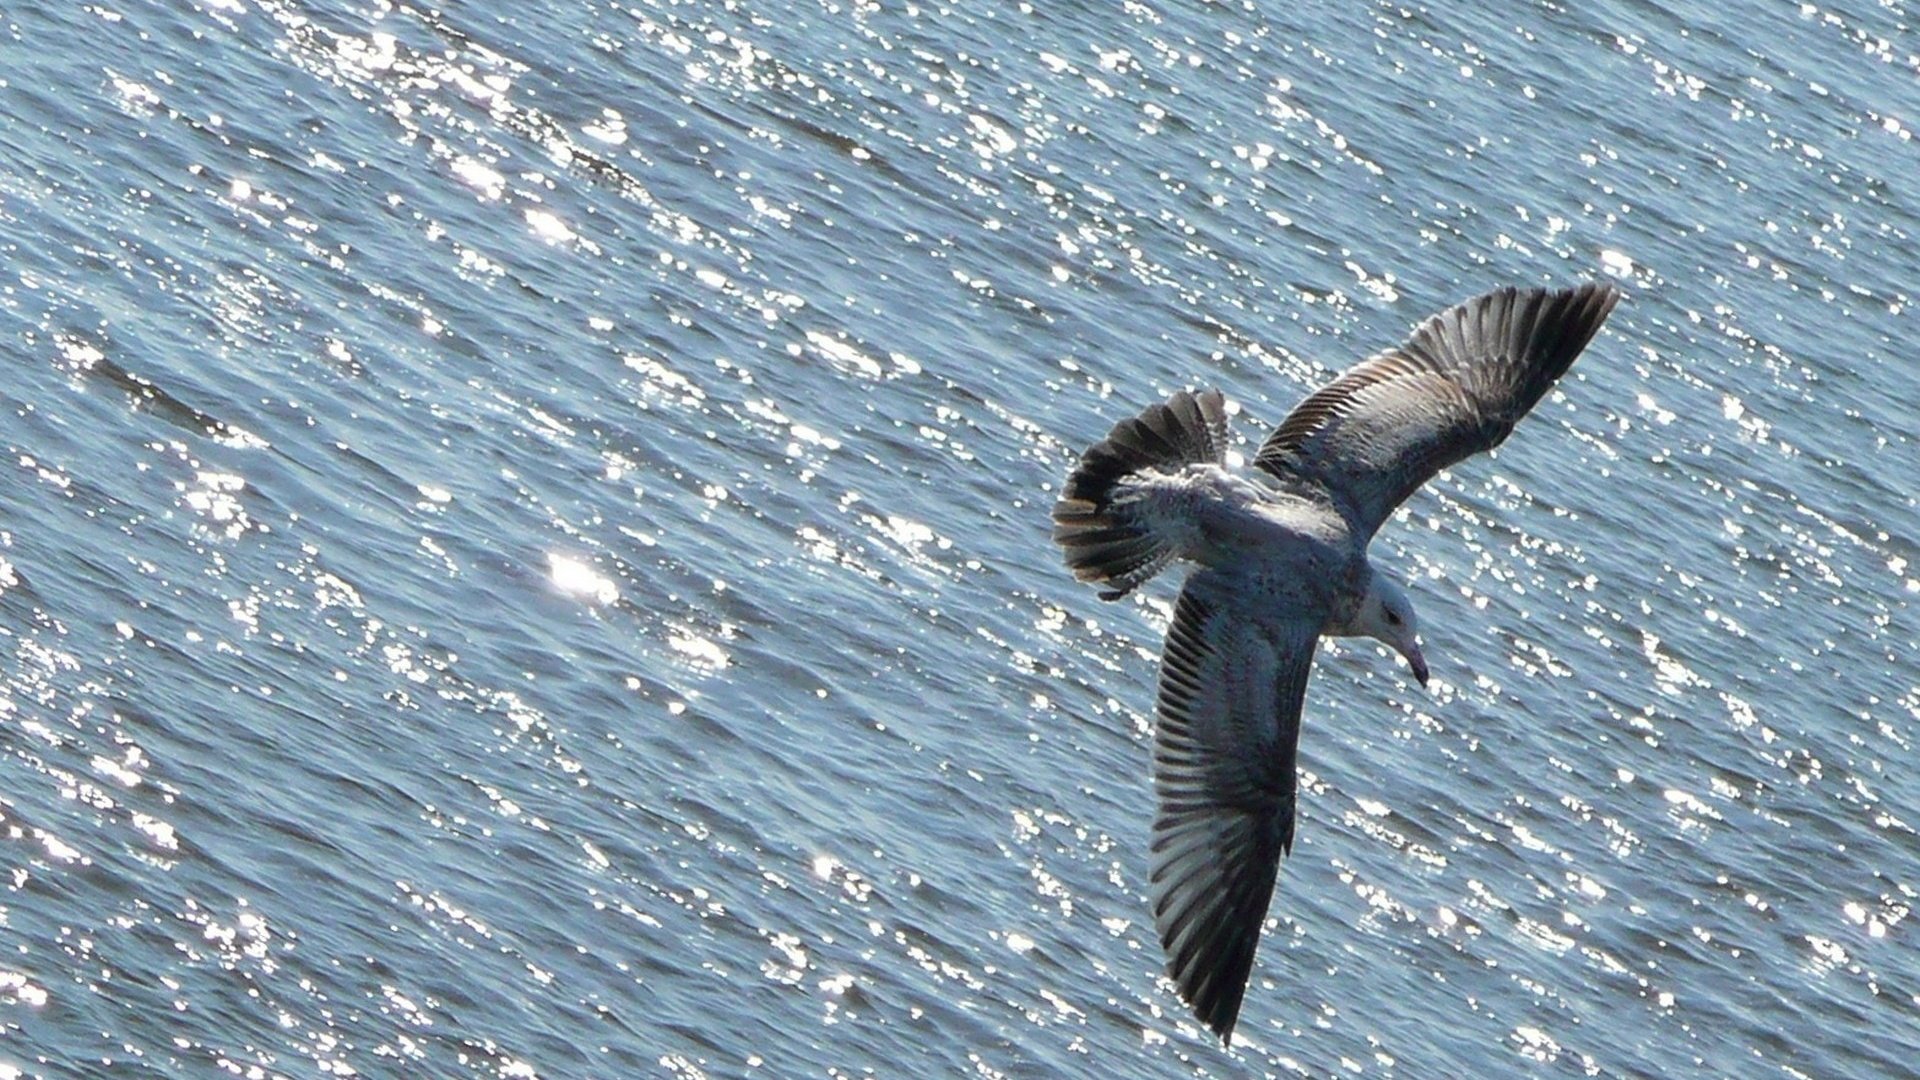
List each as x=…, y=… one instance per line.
x=1107, y=540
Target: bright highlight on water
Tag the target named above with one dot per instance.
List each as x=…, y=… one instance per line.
x=1282, y=557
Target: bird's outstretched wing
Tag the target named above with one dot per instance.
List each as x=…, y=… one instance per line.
x=1231, y=685
x=1457, y=387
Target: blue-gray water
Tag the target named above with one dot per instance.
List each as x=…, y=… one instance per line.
x=523, y=541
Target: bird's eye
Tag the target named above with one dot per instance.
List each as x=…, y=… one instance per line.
x=1393, y=618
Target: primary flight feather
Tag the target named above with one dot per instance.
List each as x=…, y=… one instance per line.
x=1281, y=560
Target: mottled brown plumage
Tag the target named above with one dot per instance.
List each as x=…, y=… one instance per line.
x=1282, y=560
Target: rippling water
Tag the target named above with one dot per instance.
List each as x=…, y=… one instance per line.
x=524, y=544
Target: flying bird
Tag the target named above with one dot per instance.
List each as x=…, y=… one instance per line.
x=1280, y=560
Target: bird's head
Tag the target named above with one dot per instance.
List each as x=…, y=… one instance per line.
x=1387, y=614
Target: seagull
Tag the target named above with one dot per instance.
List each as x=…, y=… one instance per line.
x=1279, y=556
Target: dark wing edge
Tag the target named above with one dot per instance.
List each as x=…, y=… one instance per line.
x=1457, y=387
x=1223, y=768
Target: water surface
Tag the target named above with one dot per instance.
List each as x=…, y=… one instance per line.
x=524, y=546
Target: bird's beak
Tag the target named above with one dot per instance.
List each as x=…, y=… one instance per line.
x=1418, y=663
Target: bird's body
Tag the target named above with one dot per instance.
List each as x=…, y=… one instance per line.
x=1280, y=556
x=1234, y=522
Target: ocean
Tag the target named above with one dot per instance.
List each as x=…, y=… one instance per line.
x=524, y=543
